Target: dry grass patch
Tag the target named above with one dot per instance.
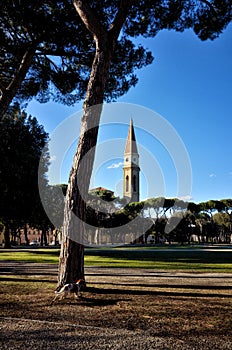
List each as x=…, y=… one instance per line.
x=166, y=312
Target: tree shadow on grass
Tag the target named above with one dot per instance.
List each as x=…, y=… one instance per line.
x=118, y=291
x=170, y=285
x=167, y=274
x=201, y=291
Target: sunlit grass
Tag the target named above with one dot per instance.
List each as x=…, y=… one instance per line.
x=191, y=260
x=160, y=265
x=50, y=256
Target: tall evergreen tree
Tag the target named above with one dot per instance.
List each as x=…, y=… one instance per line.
x=22, y=149
x=108, y=22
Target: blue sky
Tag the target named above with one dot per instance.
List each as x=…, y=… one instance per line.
x=189, y=85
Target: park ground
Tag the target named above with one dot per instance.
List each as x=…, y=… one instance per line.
x=162, y=299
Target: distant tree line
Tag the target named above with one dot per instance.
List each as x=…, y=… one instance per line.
x=171, y=219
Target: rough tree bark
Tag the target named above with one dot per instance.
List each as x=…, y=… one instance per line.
x=9, y=92
x=71, y=264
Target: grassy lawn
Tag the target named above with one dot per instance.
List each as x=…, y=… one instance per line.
x=48, y=256
x=164, y=259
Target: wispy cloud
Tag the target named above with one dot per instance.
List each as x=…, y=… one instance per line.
x=52, y=158
x=212, y=175
x=186, y=198
x=115, y=165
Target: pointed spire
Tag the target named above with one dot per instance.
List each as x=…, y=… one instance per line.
x=131, y=146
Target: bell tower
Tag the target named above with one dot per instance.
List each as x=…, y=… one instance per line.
x=131, y=167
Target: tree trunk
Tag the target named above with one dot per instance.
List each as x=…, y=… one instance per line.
x=7, y=236
x=44, y=241
x=25, y=234
x=71, y=264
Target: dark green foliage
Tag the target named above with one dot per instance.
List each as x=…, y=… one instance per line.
x=63, y=55
x=53, y=29
x=63, y=49
x=207, y=18
x=22, y=141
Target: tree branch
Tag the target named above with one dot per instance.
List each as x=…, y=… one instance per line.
x=2, y=89
x=120, y=17
x=89, y=18
x=11, y=90
x=23, y=68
